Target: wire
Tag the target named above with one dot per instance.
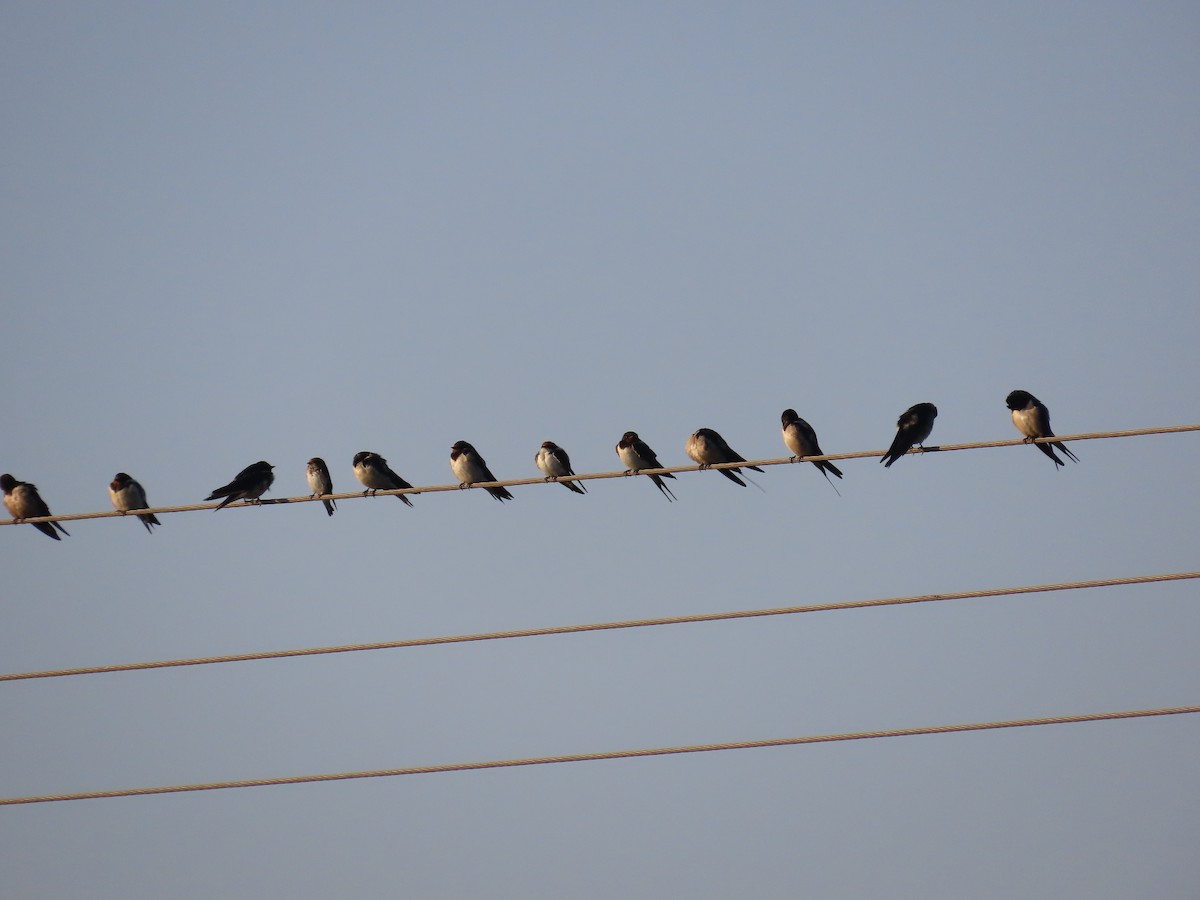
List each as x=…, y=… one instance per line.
x=521, y=482
x=602, y=626
x=613, y=754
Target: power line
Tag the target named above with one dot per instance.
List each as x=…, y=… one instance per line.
x=603, y=626
x=592, y=476
x=613, y=754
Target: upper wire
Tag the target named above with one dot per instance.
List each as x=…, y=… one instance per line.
x=592, y=476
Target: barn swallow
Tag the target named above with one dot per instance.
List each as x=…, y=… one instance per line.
x=469, y=468
x=913, y=427
x=127, y=494
x=23, y=501
x=554, y=462
x=372, y=470
x=802, y=441
x=320, y=483
x=251, y=483
x=707, y=447
x=1032, y=419
x=635, y=454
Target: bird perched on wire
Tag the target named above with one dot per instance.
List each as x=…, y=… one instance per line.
x=250, y=484
x=801, y=439
x=912, y=428
x=707, y=448
x=373, y=472
x=554, y=463
x=470, y=468
x=23, y=501
x=635, y=454
x=1032, y=419
x=320, y=482
x=127, y=495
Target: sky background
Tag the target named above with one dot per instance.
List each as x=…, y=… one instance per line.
x=235, y=232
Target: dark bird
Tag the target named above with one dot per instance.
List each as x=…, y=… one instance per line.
x=469, y=468
x=635, y=455
x=707, y=447
x=912, y=428
x=320, y=483
x=1032, y=419
x=802, y=441
x=554, y=463
x=250, y=484
x=372, y=470
x=127, y=495
x=23, y=501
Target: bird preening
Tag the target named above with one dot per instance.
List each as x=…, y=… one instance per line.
x=912, y=429
x=128, y=495
x=320, y=482
x=23, y=501
x=553, y=460
x=1032, y=419
x=708, y=448
x=373, y=473
x=801, y=439
x=705, y=446
x=635, y=454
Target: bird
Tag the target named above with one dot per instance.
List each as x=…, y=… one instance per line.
x=1032, y=419
x=469, y=468
x=127, y=494
x=707, y=447
x=23, y=501
x=320, y=483
x=554, y=462
x=250, y=484
x=913, y=427
x=635, y=454
x=372, y=470
x=801, y=439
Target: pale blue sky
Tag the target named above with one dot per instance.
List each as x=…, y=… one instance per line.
x=235, y=232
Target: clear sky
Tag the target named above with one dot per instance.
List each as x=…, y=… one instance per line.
x=235, y=232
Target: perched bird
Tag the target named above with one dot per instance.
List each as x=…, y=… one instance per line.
x=913, y=427
x=23, y=501
x=554, y=462
x=1032, y=419
x=469, y=468
x=127, y=494
x=707, y=447
x=250, y=484
x=320, y=483
x=372, y=470
x=635, y=455
x=802, y=441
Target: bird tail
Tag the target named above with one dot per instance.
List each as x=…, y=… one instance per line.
x=47, y=528
x=662, y=486
x=826, y=466
x=1063, y=447
x=732, y=476
x=827, y=478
